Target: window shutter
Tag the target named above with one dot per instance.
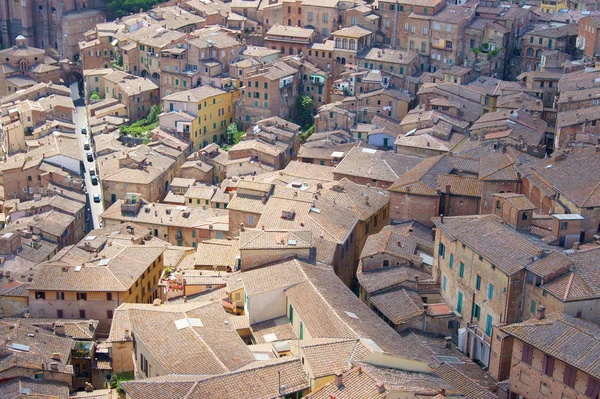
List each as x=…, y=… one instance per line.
x=570, y=375
x=593, y=388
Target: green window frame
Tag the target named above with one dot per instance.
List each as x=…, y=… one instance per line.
x=451, y=263
x=459, y=302
x=488, y=325
x=490, y=291
x=291, y=314
x=478, y=282
x=533, y=306
x=476, y=311
x=461, y=270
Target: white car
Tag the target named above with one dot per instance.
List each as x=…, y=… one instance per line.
x=96, y=197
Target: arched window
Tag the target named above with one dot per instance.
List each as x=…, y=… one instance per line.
x=524, y=216
x=529, y=52
x=352, y=44
x=538, y=53
x=338, y=43
x=344, y=43
x=498, y=204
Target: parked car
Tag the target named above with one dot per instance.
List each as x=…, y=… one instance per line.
x=96, y=197
x=94, y=180
x=92, y=172
x=90, y=156
x=83, y=130
x=86, y=146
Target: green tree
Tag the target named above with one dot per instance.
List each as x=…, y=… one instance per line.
x=304, y=104
x=94, y=95
x=233, y=134
x=120, y=8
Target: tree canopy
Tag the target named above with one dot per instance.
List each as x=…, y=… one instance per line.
x=120, y=8
x=304, y=105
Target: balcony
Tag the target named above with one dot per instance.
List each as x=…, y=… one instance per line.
x=130, y=207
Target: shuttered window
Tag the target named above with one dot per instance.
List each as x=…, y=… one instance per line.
x=527, y=355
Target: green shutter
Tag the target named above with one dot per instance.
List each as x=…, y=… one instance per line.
x=461, y=271
x=459, y=302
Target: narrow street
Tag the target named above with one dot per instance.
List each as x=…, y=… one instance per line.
x=80, y=121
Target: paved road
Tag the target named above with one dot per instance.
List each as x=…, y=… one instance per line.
x=80, y=120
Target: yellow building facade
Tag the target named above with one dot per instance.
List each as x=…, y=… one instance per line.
x=552, y=6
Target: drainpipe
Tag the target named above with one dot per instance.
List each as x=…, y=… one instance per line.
x=425, y=318
x=395, y=26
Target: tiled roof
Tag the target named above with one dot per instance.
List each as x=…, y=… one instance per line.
x=81, y=330
x=122, y=271
x=378, y=165
x=400, y=241
x=355, y=384
x=290, y=31
x=275, y=329
x=212, y=348
x=399, y=306
x=246, y=203
x=195, y=95
x=460, y=185
x=362, y=200
x=251, y=239
x=327, y=357
x=263, y=380
x=489, y=237
x=517, y=201
x=379, y=279
x=577, y=176
x=566, y=338
x=166, y=214
x=15, y=388
x=582, y=282
x=221, y=253
x=42, y=346
x=281, y=275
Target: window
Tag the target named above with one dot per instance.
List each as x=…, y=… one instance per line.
x=82, y=314
x=593, y=388
x=291, y=315
x=442, y=250
x=490, y=291
x=40, y=295
x=325, y=17
x=459, y=302
x=488, y=325
x=461, y=270
x=250, y=220
x=60, y=296
x=386, y=263
x=451, y=261
x=563, y=225
x=310, y=16
x=532, y=307
x=476, y=311
x=59, y=313
x=569, y=376
x=478, y=282
x=527, y=354
x=444, y=283
x=81, y=296
x=548, y=365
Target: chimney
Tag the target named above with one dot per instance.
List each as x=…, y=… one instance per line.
x=448, y=342
x=56, y=356
x=540, y=312
x=59, y=329
x=338, y=380
x=367, y=200
x=442, y=392
x=442, y=217
x=380, y=388
x=576, y=246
